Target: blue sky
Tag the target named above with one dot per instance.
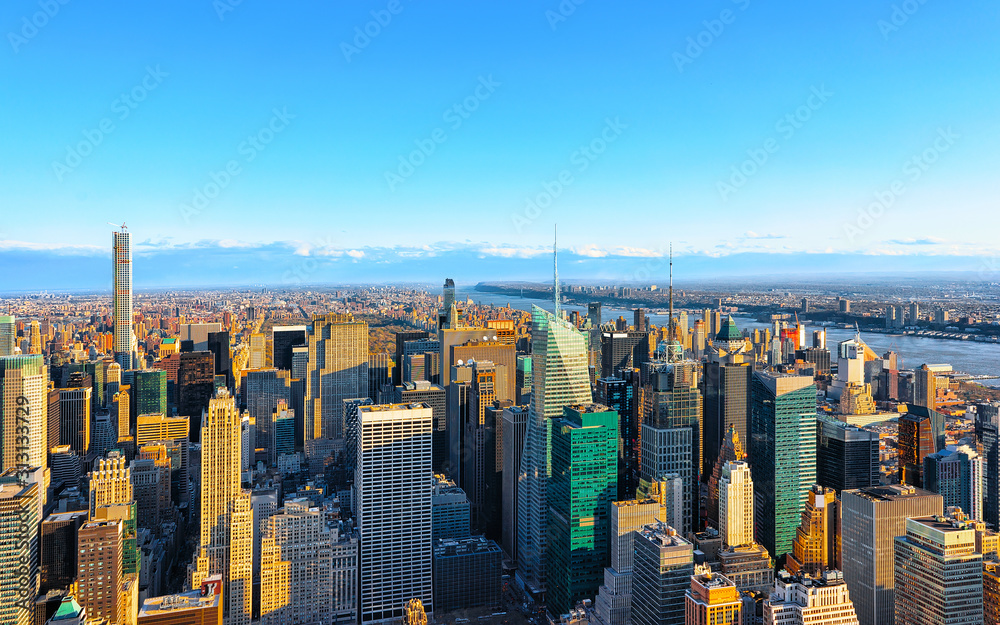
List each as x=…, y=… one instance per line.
x=727, y=127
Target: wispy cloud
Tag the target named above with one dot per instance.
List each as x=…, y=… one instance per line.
x=923, y=241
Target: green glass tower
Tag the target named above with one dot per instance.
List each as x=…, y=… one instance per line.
x=150, y=392
x=782, y=455
x=560, y=378
x=584, y=482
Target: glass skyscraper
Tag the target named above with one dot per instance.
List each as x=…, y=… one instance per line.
x=150, y=392
x=582, y=487
x=560, y=378
x=782, y=454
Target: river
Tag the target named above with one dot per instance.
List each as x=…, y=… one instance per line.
x=964, y=356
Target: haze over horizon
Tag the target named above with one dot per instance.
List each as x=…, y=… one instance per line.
x=272, y=140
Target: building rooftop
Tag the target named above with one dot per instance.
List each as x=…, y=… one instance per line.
x=192, y=600
x=392, y=407
x=663, y=535
x=891, y=492
x=828, y=578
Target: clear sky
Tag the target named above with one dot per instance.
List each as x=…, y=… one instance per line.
x=727, y=127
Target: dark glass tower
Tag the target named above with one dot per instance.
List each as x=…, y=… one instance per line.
x=782, y=455
x=846, y=457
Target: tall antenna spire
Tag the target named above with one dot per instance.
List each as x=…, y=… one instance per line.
x=555, y=267
x=670, y=324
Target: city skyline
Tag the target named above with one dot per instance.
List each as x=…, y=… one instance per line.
x=900, y=117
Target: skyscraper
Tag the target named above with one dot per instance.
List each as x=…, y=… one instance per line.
x=100, y=569
x=226, y=539
x=614, y=600
x=938, y=573
x=299, y=539
x=921, y=433
x=661, y=575
x=19, y=511
x=74, y=419
x=262, y=391
x=955, y=473
x=8, y=335
x=736, y=505
x=817, y=540
x=394, y=448
x=672, y=431
x=338, y=370
x=560, y=378
x=712, y=600
x=730, y=451
x=847, y=457
x=283, y=339
x=124, y=340
x=782, y=454
x=149, y=390
x=799, y=599
x=23, y=382
x=988, y=435
x=514, y=422
x=871, y=519
x=580, y=492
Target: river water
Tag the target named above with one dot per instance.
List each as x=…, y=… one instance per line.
x=964, y=356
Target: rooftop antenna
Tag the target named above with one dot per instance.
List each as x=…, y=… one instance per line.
x=555, y=267
x=670, y=323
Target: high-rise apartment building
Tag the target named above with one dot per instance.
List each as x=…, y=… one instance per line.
x=800, y=600
x=337, y=370
x=394, y=448
x=100, y=570
x=661, y=575
x=736, y=505
x=938, y=573
x=956, y=474
x=560, y=378
x=258, y=351
x=124, y=339
x=782, y=454
x=871, y=519
x=580, y=492
x=925, y=391
x=712, y=600
x=817, y=540
x=226, y=533
x=19, y=555
x=23, y=393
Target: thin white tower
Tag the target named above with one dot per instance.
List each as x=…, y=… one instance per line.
x=124, y=340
